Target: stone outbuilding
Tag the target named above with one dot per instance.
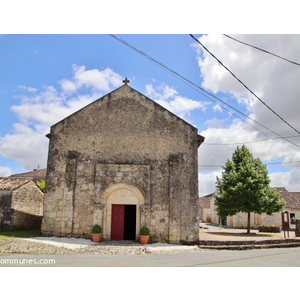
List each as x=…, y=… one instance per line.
x=123, y=162
x=21, y=203
x=239, y=220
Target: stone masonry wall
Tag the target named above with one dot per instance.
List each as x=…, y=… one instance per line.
x=123, y=128
x=240, y=220
x=5, y=208
x=22, y=207
x=27, y=205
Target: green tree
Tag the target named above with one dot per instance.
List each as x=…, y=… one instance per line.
x=41, y=185
x=244, y=187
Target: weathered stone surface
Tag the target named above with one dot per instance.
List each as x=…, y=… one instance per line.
x=123, y=148
x=21, y=203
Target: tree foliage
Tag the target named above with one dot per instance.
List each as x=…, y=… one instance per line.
x=41, y=185
x=244, y=187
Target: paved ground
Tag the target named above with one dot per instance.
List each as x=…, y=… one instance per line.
x=52, y=245
x=213, y=232
x=288, y=257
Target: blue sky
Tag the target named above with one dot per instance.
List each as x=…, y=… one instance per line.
x=46, y=77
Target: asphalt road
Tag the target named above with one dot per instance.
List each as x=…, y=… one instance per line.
x=285, y=257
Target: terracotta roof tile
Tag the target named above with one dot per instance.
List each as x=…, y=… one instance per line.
x=205, y=201
x=10, y=184
x=34, y=174
x=295, y=200
x=292, y=199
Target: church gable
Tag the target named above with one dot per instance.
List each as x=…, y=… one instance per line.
x=122, y=102
x=122, y=120
x=122, y=115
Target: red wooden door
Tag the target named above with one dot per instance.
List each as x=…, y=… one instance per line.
x=117, y=222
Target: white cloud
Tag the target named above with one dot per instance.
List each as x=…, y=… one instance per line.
x=162, y=91
x=44, y=112
x=103, y=80
x=39, y=110
x=273, y=80
x=228, y=138
x=68, y=86
x=27, y=146
x=27, y=88
x=5, y=171
x=217, y=107
x=289, y=180
x=171, y=100
x=207, y=182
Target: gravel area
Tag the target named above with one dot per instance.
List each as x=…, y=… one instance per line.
x=16, y=245
x=29, y=246
x=77, y=246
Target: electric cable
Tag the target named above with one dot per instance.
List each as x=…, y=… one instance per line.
x=275, y=163
x=249, y=142
x=244, y=85
x=260, y=49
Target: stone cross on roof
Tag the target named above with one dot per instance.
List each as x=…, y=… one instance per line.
x=126, y=81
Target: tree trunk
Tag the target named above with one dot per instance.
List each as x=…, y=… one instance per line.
x=248, y=226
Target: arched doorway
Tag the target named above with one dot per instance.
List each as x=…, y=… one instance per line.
x=122, y=201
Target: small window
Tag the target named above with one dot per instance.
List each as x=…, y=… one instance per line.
x=293, y=218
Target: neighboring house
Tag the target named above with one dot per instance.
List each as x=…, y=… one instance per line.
x=123, y=162
x=292, y=200
x=239, y=220
x=21, y=203
x=35, y=175
x=205, y=214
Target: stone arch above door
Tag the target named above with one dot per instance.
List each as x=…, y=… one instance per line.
x=125, y=187
x=121, y=193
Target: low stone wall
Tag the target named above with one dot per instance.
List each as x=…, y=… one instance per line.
x=269, y=228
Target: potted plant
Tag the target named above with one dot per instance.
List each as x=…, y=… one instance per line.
x=96, y=233
x=144, y=235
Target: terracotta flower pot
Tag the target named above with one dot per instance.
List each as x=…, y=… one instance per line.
x=96, y=237
x=144, y=239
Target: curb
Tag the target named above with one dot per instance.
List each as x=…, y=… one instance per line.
x=248, y=245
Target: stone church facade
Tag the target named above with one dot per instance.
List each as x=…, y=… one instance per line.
x=126, y=155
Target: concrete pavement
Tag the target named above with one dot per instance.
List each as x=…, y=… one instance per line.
x=289, y=257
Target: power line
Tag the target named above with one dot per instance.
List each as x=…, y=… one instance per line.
x=193, y=85
x=249, y=142
x=260, y=49
x=284, y=163
x=245, y=85
x=275, y=163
